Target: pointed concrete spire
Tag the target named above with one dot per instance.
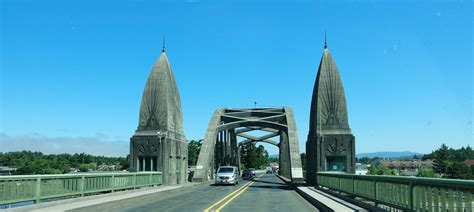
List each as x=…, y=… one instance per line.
x=328, y=105
x=160, y=109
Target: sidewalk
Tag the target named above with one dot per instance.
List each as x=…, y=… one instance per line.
x=75, y=203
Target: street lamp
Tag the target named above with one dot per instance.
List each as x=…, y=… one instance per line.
x=160, y=135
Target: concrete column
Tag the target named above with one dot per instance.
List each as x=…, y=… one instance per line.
x=151, y=163
x=285, y=167
x=224, y=149
x=352, y=140
x=217, y=149
x=233, y=147
x=138, y=165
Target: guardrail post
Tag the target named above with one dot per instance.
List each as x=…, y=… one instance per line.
x=150, y=180
x=353, y=185
x=375, y=192
x=37, y=190
x=134, y=181
x=83, y=182
x=410, y=196
x=113, y=183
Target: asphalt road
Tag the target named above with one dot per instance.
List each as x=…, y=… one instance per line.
x=265, y=193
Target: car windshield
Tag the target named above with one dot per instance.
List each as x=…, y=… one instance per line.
x=226, y=170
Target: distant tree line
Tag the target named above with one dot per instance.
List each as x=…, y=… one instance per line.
x=28, y=162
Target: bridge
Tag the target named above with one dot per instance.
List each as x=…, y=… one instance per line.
x=220, y=141
x=158, y=179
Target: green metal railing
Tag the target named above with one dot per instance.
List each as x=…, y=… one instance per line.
x=405, y=193
x=22, y=188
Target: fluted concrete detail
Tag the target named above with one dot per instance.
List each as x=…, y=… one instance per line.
x=330, y=145
x=159, y=143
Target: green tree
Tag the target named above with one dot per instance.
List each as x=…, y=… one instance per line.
x=441, y=158
x=426, y=172
x=253, y=156
x=457, y=170
x=373, y=170
x=380, y=170
x=125, y=163
x=85, y=167
x=194, y=147
x=303, y=160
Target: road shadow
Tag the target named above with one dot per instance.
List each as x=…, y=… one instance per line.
x=270, y=182
x=271, y=187
x=222, y=184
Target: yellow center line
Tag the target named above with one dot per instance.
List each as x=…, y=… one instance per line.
x=209, y=208
x=236, y=195
x=237, y=192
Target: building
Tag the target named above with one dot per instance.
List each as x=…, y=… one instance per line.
x=410, y=168
x=469, y=163
x=5, y=170
x=159, y=143
x=362, y=169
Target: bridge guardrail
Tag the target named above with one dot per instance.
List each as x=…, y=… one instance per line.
x=405, y=193
x=23, y=188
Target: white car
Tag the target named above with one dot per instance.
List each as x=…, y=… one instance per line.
x=227, y=175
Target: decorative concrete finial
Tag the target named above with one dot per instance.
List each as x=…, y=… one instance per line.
x=163, y=50
x=325, y=43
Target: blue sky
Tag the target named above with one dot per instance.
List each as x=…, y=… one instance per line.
x=72, y=72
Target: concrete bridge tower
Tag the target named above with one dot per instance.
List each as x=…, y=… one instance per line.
x=159, y=143
x=330, y=145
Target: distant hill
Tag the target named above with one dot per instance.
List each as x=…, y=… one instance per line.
x=388, y=154
x=274, y=156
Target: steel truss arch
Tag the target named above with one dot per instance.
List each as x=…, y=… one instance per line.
x=220, y=141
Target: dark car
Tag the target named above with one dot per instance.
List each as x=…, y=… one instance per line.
x=253, y=171
x=247, y=174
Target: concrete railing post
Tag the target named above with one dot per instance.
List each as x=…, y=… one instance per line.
x=150, y=180
x=113, y=183
x=134, y=180
x=375, y=192
x=410, y=196
x=82, y=186
x=38, y=190
x=353, y=185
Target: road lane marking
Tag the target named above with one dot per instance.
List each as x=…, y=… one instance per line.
x=236, y=195
x=238, y=191
x=218, y=202
x=173, y=205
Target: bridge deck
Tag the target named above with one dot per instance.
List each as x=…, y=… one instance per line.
x=266, y=192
